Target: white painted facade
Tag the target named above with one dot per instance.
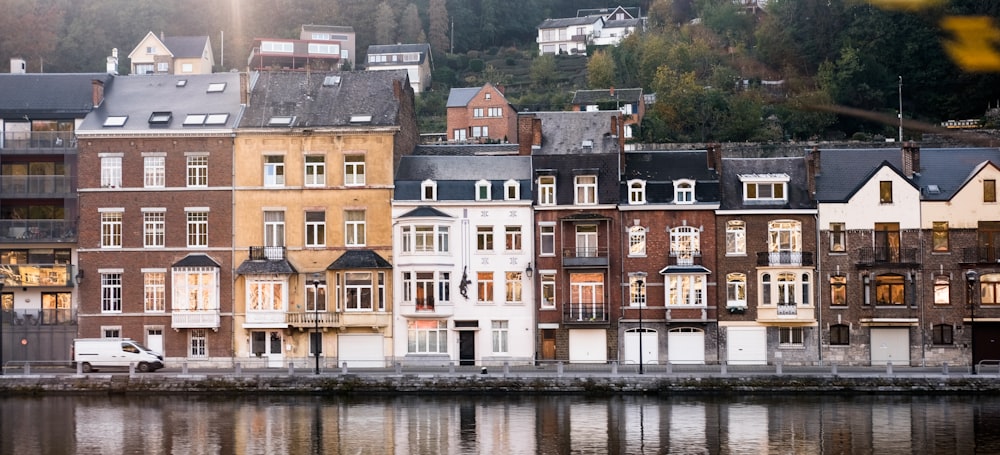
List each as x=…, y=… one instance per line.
x=865, y=207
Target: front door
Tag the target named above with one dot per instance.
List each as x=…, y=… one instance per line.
x=267, y=345
x=548, y=344
x=467, y=347
x=154, y=340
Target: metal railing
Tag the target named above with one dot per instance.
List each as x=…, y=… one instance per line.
x=37, y=231
x=27, y=140
x=594, y=313
x=887, y=255
x=267, y=253
x=38, y=317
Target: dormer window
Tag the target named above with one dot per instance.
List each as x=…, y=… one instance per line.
x=428, y=190
x=586, y=190
x=764, y=187
x=547, y=190
x=684, y=191
x=636, y=191
x=483, y=190
x=511, y=190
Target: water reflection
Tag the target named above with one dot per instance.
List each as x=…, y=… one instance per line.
x=499, y=424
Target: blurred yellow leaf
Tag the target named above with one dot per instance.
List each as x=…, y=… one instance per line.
x=974, y=43
x=907, y=4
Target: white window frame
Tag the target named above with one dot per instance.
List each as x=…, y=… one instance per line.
x=111, y=291
x=784, y=236
x=274, y=170
x=111, y=227
x=636, y=192
x=427, y=336
x=111, y=170
x=736, y=290
x=547, y=190
x=636, y=293
x=547, y=300
x=513, y=287
x=274, y=228
x=684, y=191
x=511, y=190
x=355, y=287
x=198, y=343
x=315, y=170
x=197, y=171
x=686, y=290
x=355, y=233
x=484, y=190
x=154, y=225
x=685, y=244
x=154, y=294
x=154, y=171
x=585, y=187
x=354, y=169
x=485, y=288
x=636, y=241
x=477, y=112
x=494, y=112
x=428, y=190
x=736, y=238
x=315, y=228
x=459, y=134
x=513, y=238
x=546, y=239
x=501, y=336
x=194, y=289
x=197, y=227
x=484, y=239
x=765, y=187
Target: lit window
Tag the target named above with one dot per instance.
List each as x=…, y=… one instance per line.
x=890, y=290
x=838, y=290
x=942, y=290
x=111, y=229
x=154, y=292
x=736, y=237
x=484, y=287
x=989, y=190
x=637, y=285
x=636, y=241
x=736, y=290
x=512, y=287
x=939, y=237
x=838, y=238
x=885, y=192
x=685, y=244
x=685, y=290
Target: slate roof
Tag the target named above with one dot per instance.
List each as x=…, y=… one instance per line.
x=359, y=259
x=186, y=46
x=425, y=212
x=196, y=260
x=797, y=190
x=304, y=96
x=659, y=169
x=564, y=133
x=565, y=167
x=265, y=267
x=52, y=96
x=843, y=171
x=456, y=176
x=569, y=22
x=460, y=97
x=138, y=97
x=625, y=95
x=469, y=149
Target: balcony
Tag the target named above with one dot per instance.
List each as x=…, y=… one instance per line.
x=267, y=253
x=585, y=313
x=884, y=255
x=36, y=317
x=38, y=142
x=36, y=275
x=981, y=255
x=195, y=319
x=585, y=257
x=265, y=319
x=37, y=231
x=580, y=38
x=683, y=259
x=783, y=312
x=35, y=186
x=784, y=258
x=310, y=319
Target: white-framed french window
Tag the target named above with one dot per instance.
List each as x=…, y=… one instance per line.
x=315, y=228
x=111, y=226
x=154, y=222
x=315, y=170
x=111, y=290
x=736, y=290
x=354, y=228
x=636, y=191
x=547, y=190
x=197, y=226
x=637, y=285
x=484, y=239
x=685, y=244
x=513, y=284
x=512, y=238
x=585, y=189
x=685, y=289
x=358, y=291
x=194, y=289
x=483, y=191
x=111, y=170
x=154, y=293
x=636, y=241
x=274, y=228
x=736, y=238
x=274, y=170
x=548, y=283
x=501, y=336
x=354, y=169
x=266, y=293
x=154, y=170
x=426, y=336
x=484, y=287
x=546, y=239
x=684, y=191
x=197, y=171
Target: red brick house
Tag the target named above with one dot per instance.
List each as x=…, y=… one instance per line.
x=481, y=114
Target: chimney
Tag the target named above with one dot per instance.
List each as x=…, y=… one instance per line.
x=524, y=135
x=911, y=159
x=812, y=170
x=18, y=66
x=97, y=92
x=614, y=125
x=611, y=91
x=112, y=67
x=501, y=89
x=245, y=89
x=713, y=157
x=397, y=89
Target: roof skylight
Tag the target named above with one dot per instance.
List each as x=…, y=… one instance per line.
x=194, y=119
x=115, y=120
x=160, y=118
x=281, y=121
x=216, y=119
x=361, y=119
x=216, y=87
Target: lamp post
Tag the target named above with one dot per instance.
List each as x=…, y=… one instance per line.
x=900, y=109
x=315, y=340
x=971, y=276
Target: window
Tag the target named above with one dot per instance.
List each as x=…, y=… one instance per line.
x=265, y=293
x=111, y=171
x=153, y=171
x=327, y=49
x=315, y=228
x=153, y=229
x=684, y=192
x=586, y=297
x=512, y=287
x=840, y=335
x=194, y=119
x=483, y=191
x=111, y=292
x=989, y=289
x=785, y=287
x=480, y=131
x=484, y=287
x=546, y=240
x=494, y=112
x=144, y=68
x=636, y=192
x=425, y=239
x=546, y=190
x=548, y=281
x=187, y=68
x=942, y=290
x=199, y=343
x=197, y=171
x=501, y=334
x=838, y=238
x=939, y=237
x=989, y=190
x=274, y=228
x=358, y=291
x=686, y=290
x=765, y=289
x=195, y=289
x=316, y=297
x=736, y=290
x=511, y=190
x=315, y=170
x=477, y=112
x=838, y=290
x=890, y=290
x=736, y=238
x=484, y=238
x=942, y=334
x=512, y=238
x=685, y=244
x=111, y=229
x=637, y=284
x=111, y=331
x=784, y=236
x=354, y=170
x=885, y=192
x=459, y=134
x=427, y=336
x=636, y=241
x=274, y=170
x=354, y=227
x=428, y=190
x=586, y=190
x=764, y=188
x=422, y=291
x=154, y=295
x=790, y=336
x=163, y=67
x=197, y=229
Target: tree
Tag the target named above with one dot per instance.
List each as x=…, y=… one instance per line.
x=543, y=70
x=600, y=70
x=437, y=13
x=31, y=30
x=385, y=24
x=410, y=27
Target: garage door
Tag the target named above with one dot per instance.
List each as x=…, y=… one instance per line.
x=650, y=350
x=588, y=346
x=746, y=345
x=890, y=343
x=686, y=346
x=360, y=351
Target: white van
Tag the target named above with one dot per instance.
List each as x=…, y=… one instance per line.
x=114, y=352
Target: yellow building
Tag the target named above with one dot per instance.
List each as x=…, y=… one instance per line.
x=313, y=173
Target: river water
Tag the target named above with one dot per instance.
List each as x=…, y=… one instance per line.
x=511, y=424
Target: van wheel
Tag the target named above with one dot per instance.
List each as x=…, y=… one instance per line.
x=87, y=368
x=144, y=367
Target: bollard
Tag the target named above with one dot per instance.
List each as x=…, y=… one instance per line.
x=291, y=367
x=778, y=362
x=670, y=367
x=506, y=368
x=27, y=368
x=184, y=368
x=483, y=371
x=239, y=369
x=131, y=368
x=451, y=367
x=79, y=368
x=559, y=369
x=944, y=368
x=888, y=367
x=614, y=367
x=343, y=368
x=399, y=368
x=833, y=368
x=725, y=368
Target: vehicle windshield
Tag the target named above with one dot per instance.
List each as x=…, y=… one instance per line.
x=141, y=347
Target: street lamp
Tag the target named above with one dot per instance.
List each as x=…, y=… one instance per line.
x=900, y=109
x=315, y=340
x=970, y=277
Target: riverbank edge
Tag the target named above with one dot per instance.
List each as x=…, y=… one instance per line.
x=485, y=385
